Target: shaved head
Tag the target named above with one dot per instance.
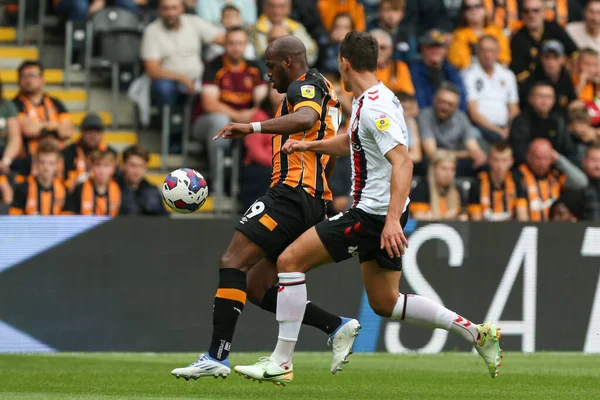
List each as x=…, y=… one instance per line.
x=540, y=157
x=287, y=46
x=286, y=61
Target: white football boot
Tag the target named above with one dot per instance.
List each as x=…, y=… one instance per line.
x=341, y=342
x=204, y=366
x=489, y=347
x=267, y=370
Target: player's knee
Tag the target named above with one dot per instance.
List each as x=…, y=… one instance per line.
x=288, y=262
x=230, y=260
x=383, y=305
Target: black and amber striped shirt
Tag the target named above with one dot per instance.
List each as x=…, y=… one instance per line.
x=86, y=200
x=497, y=203
x=307, y=168
x=31, y=198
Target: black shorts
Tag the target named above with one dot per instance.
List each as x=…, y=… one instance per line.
x=356, y=232
x=279, y=217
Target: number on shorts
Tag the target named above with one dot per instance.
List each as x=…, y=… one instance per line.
x=257, y=208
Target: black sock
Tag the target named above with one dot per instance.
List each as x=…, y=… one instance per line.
x=313, y=316
x=229, y=304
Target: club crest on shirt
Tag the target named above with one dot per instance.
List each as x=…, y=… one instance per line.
x=382, y=122
x=307, y=91
x=354, y=125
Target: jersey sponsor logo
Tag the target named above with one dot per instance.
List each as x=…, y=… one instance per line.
x=307, y=91
x=382, y=122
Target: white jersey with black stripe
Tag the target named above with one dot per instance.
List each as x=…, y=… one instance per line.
x=377, y=125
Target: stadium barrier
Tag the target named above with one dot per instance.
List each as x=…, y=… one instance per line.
x=140, y=284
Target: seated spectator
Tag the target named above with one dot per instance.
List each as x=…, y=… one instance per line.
x=213, y=10
x=525, y=45
x=498, y=195
x=233, y=90
x=537, y=121
x=342, y=24
x=560, y=211
x=444, y=126
x=231, y=18
x=328, y=9
x=543, y=182
x=586, y=76
x=171, y=50
x=582, y=133
x=411, y=112
x=551, y=70
x=437, y=198
x=472, y=24
x=6, y=191
x=44, y=193
x=276, y=12
x=392, y=73
x=389, y=19
x=100, y=194
x=428, y=74
x=562, y=11
x=257, y=168
x=586, y=33
x=505, y=14
x=492, y=94
x=139, y=197
x=11, y=142
x=81, y=10
x=40, y=115
x=75, y=155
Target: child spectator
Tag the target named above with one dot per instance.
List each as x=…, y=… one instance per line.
x=139, y=197
x=75, y=155
x=100, y=194
x=472, y=24
x=437, y=197
x=43, y=194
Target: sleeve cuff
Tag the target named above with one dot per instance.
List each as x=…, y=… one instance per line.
x=311, y=104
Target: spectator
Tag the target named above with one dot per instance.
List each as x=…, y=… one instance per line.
x=43, y=194
x=139, y=197
x=492, y=94
x=11, y=142
x=411, y=111
x=472, y=24
x=498, y=195
x=427, y=75
x=328, y=9
x=40, y=115
x=586, y=77
x=562, y=11
x=75, y=155
x=172, y=48
x=560, y=211
x=213, y=10
x=392, y=73
x=81, y=10
x=425, y=15
x=552, y=70
x=233, y=90
x=542, y=182
x=537, y=121
x=100, y=194
x=525, y=45
x=276, y=12
x=586, y=33
x=230, y=18
x=6, y=192
x=591, y=194
x=342, y=24
x=389, y=18
x=437, y=198
x=257, y=168
x=505, y=14
x=582, y=133
x=444, y=126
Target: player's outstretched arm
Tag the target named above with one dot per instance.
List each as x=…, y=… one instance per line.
x=337, y=146
x=299, y=121
x=392, y=237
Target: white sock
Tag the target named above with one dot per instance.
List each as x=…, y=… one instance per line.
x=418, y=310
x=291, y=304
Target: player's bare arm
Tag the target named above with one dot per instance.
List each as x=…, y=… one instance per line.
x=301, y=120
x=392, y=237
x=337, y=146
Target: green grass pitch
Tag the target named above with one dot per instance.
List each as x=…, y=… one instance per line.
x=68, y=376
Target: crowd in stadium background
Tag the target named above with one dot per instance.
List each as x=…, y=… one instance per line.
x=501, y=97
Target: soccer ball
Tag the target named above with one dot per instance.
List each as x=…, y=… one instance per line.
x=185, y=190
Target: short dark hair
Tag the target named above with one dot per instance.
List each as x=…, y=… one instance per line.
x=501, y=146
x=361, y=50
x=448, y=87
x=30, y=63
x=102, y=155
x=49, y=146
x=395, y=4
x=592, y=147
x=136, y=150
x=234, y=29
x=579, y=114
x=229, y=7
x=539, y=84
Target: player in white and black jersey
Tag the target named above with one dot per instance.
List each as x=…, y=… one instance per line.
x=371, y=229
